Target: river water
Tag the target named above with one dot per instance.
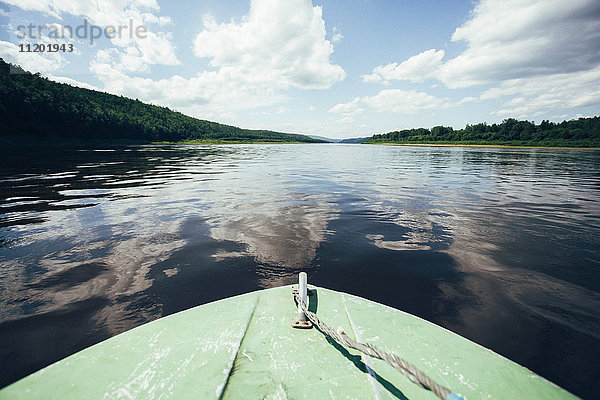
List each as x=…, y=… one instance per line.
x=501, y=246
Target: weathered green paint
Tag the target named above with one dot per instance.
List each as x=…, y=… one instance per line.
x=243, y=347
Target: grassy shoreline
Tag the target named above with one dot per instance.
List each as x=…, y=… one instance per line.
x=501, y=146
x=218, y=141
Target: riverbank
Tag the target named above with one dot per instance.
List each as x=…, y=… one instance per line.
x=219, y=141
x=495, y=146
x=51, y=142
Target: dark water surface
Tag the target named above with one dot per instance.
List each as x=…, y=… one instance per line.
x=499, y=245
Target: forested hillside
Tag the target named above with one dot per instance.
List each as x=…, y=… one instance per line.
x=583, y=132
x=34, y=108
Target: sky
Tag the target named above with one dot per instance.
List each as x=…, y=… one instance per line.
x=334, y=68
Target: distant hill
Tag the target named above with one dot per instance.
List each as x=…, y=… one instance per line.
x=355, y=140
x=34, y=109
x=325, y=139
x=583, y=132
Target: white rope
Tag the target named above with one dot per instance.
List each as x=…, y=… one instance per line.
x=415, y=375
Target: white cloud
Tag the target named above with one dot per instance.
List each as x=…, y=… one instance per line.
x=140, y=55
x=276, y=46
x=44, y=62
x=72, y=82
x=279, y=43
x=128, y=59
x=542, y=95
x=348, y=109
x=468, y=99
x=394, y=101
x=30, y=61
x=404, y=102
x=514, y=39
x=150, y=18
x=209, y=94
x=510, y=39
x=103, y=12
x=416, y=68
x=543, y=55
x=346, y=120
x=337, y=35
x=157, y=48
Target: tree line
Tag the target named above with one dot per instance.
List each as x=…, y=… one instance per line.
x=33, y=108
x=582, y=132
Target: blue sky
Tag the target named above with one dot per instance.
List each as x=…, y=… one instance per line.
x=331, y=68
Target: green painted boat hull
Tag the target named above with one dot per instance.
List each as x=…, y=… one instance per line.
x=243, y=347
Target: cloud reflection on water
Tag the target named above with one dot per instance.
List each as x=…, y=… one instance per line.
x=282, y=238
x=128, y=231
